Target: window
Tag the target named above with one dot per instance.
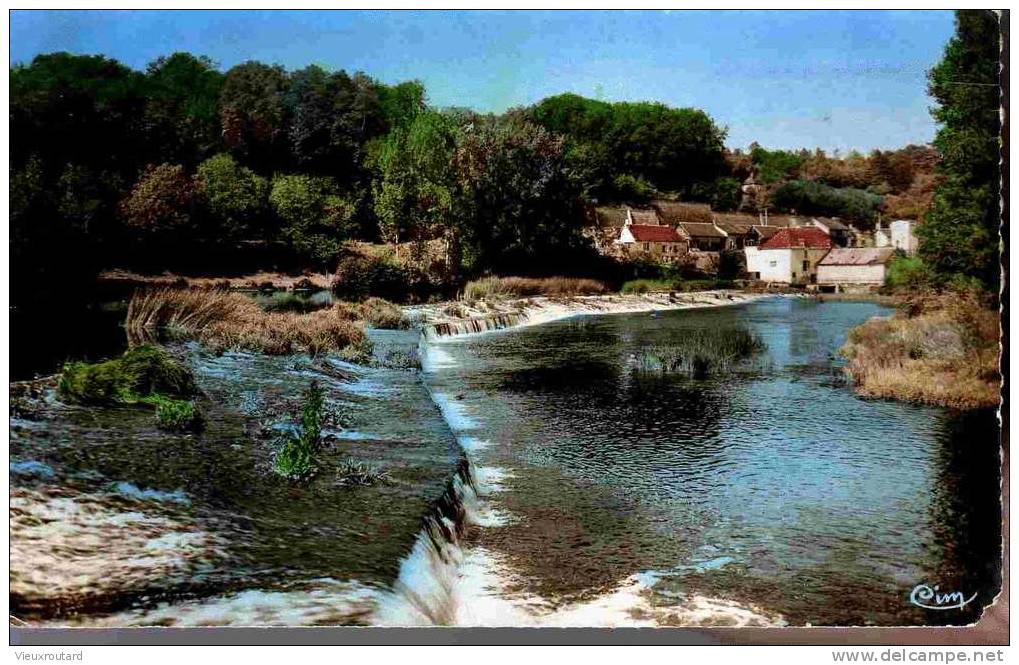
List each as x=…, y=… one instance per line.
x=773, y=264
x=806, y=265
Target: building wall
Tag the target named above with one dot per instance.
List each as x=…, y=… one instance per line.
x=902, y=236
x=783, y=265
x=872, y=274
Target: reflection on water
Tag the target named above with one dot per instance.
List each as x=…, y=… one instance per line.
x=776, y=486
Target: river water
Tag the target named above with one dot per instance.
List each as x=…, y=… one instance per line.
x=773, y=487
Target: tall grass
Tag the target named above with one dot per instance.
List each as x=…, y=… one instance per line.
x=700, y=353
x=224, y=320
x=522, y=287
x=940, y=350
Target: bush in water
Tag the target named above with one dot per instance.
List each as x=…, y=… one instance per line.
x=296, y=448
x=176, y=415
x=141, y=372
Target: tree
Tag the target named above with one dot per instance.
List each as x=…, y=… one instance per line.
x=232, y=196
x=524, y=211
x=400, y=104
x=182, y=122
x=313, y=217
x=253, y=113
x=810, y=197
x=960, y=233
x=416, y=193
x=670, y=148
x=160, y=202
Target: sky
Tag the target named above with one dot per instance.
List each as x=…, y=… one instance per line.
x=838, y=80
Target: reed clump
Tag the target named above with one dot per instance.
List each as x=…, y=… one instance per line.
x=223, y=320
x=522, y=287
x=940, y=350
x=700, y=353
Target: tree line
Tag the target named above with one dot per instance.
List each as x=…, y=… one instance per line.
x=112, y=166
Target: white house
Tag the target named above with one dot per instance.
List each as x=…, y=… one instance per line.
x=903, y=237
x=848, y=267
x=790, y=256
x=898, y=235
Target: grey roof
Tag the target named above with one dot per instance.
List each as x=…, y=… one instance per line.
x=831, y=223
x=857, y=256
x=696, y=230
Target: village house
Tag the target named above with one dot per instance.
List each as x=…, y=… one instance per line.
x=790, y=256
x=841, y=235
x=899, y=235
x=845, y=269
x=737, y=228
x=703, y=237
x=657, y=241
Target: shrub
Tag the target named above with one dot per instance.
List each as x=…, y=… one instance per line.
x=295, y=452
x=232, y=195
x=176, y=415
x=379, y=313
x=908, y=272
x=522, y=287
x=352, y=473
x=940, y=350
x=313, y=217
x=638, y=286
x=141, y=372
x=701, y=352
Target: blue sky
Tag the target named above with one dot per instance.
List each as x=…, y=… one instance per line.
x=829, y=79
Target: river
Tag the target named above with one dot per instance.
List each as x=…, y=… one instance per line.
x=597, y=493
x=773, y=488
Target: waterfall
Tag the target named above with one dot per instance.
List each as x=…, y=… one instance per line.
x=470, y=326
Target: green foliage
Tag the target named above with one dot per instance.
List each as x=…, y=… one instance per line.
x=808, y=197
x=416, y=190
x=359, y=276
x=312, y=215
x=182, y=107
x=775, y=165
x=400, y=104
x=626, y=187
x=175, y=415
x=296, y=448
x=160, y=202
x=637, y=286
x=252, y=111
x=140, y=373
x=232, y=196
x=960, y=233
x=908, y=272
x=670, y=148
x=518, y=203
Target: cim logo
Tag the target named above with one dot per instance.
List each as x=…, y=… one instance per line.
x=932, y=599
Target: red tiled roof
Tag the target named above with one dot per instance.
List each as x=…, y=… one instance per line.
x=653, y=233
x=808, y=237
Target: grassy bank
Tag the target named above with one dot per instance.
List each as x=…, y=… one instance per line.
x=223, y=320
x=525, y=287
x=940, y=350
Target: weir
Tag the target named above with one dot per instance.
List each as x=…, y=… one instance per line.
x=471, y=326
x=425, y=590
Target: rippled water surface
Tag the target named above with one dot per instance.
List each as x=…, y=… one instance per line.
x=774, y=486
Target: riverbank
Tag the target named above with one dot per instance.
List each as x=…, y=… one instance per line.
x=467, y=317
x=941, y=350
x=260, y=280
